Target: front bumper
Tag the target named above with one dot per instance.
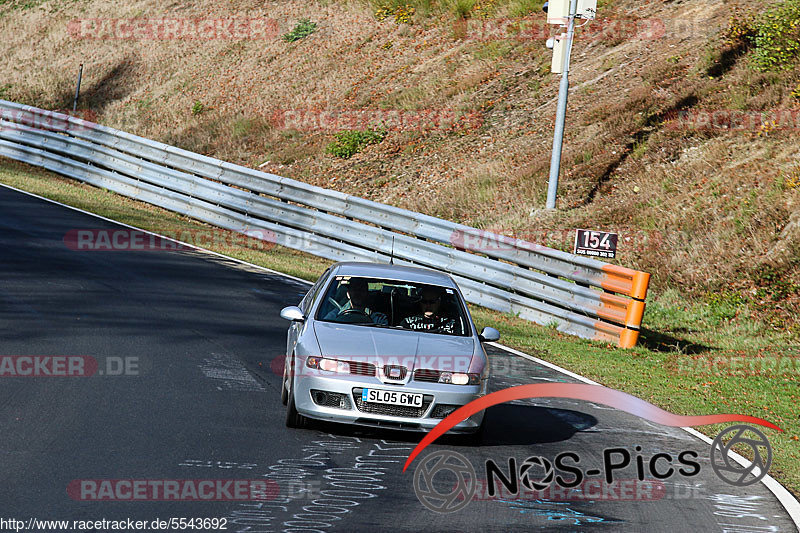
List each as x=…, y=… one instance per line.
x=380, y=415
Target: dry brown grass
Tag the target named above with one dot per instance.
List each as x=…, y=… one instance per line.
x=712, y=202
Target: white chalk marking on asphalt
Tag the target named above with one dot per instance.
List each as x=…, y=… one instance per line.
x=232, y=373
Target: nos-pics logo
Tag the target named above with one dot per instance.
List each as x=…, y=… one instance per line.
x=445, y=481
x=455, y=474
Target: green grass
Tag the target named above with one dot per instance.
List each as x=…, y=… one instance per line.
x=461, y=8
x=198, y=107
x=303, y=29
x=349, y=143
x=21, y=4
x=677, y=330
x=493, y=50
x=777, y=37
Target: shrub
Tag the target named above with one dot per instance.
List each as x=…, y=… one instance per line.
x=484, y=8
x=402, y=13
x=462, y=8
x=774, y=282
x=350, y=142
x=777, y=37
x=741, y=30
x=303, y=29
x=791, y=179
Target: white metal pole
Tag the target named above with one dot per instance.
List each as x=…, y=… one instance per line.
x=561, y=113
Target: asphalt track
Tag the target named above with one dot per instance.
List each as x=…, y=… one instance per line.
x=205, y=404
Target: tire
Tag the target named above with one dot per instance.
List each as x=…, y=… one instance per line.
x=293, y=418
x=475, y=439
x=284, y=392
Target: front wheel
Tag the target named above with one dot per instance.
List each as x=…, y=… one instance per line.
x=284, y=392
x=293, y=418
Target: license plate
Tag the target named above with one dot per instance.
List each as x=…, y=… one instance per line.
x=391, y=397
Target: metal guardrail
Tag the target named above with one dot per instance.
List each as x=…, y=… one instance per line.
x=581, y=296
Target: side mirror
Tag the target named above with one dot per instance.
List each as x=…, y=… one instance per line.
x=489, y=335
x=292, y=313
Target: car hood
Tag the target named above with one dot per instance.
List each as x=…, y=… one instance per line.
x=393, y=346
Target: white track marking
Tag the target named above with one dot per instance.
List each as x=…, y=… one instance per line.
x=229, y=373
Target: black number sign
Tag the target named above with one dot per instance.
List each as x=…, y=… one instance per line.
x=600, y=244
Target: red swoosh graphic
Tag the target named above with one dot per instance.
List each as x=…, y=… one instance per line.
x=578, y=391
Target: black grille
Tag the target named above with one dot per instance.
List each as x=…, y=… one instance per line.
x=330, y=399
x=361, y=368
x=388, y=368
x=391, y=410
x=441, y=410
x=387, y=423
x=423, y=374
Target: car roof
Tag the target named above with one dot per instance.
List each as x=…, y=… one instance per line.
x=394, y=272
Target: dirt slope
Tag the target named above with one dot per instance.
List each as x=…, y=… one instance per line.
x=712, y=212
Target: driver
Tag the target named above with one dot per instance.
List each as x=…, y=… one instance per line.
x=430, y=318
x=357, y=300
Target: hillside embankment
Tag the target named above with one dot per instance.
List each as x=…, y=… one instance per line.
x=682, y=129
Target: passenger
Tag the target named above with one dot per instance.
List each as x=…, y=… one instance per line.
x=430, y=317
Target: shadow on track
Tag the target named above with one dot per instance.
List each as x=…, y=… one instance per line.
x=505, y=425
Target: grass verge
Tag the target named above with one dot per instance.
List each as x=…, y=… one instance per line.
x=668, y=369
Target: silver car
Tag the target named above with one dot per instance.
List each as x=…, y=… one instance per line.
x=382, y=345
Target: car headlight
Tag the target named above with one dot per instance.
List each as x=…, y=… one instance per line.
x=459, y=378
x=329, y=365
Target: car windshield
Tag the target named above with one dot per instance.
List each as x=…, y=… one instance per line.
x=393, y=304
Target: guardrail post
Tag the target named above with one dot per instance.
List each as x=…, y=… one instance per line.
x=77, y=89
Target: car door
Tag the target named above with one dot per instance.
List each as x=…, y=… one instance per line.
x=305, y=306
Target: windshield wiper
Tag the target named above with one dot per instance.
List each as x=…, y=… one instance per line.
x=374, y=325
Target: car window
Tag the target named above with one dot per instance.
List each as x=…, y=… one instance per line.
x=305, y=304
x=396, y=304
